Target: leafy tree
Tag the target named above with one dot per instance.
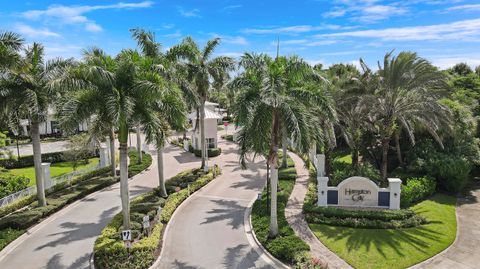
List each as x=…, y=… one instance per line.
x=27, y=87
x=78, y=149
x=406, y=91
x=271, y=99
x=200, y=68
x=461, y=69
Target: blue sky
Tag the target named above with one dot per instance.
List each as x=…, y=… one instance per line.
x=321, y=31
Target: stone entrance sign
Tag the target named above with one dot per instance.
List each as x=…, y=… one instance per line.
x=358, y=191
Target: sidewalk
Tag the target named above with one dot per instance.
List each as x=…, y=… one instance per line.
x=296, y=219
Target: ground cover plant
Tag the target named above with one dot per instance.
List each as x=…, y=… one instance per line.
x=109, y=249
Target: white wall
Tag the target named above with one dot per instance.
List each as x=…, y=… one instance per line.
x=210, y=132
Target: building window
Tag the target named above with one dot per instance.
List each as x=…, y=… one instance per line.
x=210, y=143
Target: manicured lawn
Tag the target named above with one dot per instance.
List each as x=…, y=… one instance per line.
x=56, y=169
x=386, y=248
x=345, y=159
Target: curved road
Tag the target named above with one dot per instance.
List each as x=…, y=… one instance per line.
x=65, y=239
x=208, y=231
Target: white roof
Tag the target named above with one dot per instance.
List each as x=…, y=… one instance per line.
x=208, y=115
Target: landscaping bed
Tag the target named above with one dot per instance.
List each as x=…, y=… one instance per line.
x=287, y=247
x=386, y=239
x=14, y=221
x=109, y=249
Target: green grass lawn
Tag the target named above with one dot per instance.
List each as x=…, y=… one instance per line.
x=387, y=248
x=56, y=169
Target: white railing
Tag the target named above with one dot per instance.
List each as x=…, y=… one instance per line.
x=49, y=184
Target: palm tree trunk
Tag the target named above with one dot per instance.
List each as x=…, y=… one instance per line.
x=124, y=195
x=398, y=149
x=355, y=158
x=139, y=145
x=273, y=162
x=37, y=161
x=112, y=153
x=161, y=178
x=284, y=147
x=328, y=161
x=202, y=132
x=273, y=202
x=385, y=147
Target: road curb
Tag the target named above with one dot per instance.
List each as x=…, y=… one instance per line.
x=254, y=243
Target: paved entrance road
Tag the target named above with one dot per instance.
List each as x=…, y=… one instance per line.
x=208, y=230
x=65, y=239
x=464, y=253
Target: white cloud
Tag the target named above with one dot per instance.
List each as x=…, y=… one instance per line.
x=236, y=40
x=76, y=14
x=192, y=13
x=365, y=10
x=470, y=8
x=62, y=51
x=447, y=61
x=459, y=30
x=231, y=7
x=296, y=29
x=34, y=33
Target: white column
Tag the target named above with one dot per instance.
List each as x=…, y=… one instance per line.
x=185, y=145
x=322, y=186
x=47, y=179
x=313, y=153
x=320, y=165
x=394, y=184
x=103, y=156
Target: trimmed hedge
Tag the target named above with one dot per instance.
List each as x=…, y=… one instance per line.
x=57, y=199
x=134, y=167
x=417, y=189
x=27, y=161
x=213, y=152
x=286, y=246
x=109, y=248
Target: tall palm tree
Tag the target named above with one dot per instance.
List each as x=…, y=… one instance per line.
x=405, y=93
x=26, y=92
x=127, y=101
x=272, y=98
x=201, y=68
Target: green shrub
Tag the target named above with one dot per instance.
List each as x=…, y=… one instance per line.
x=228, y=137
x=11, y=184
x=452, y=173
x=213, y=152
x=287, y=247
x=109, y=248
x=342, y=171
x=27, y=161
x=417, y=189
x=134, y=168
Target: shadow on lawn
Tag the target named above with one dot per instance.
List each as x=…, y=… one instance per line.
x=418, y=238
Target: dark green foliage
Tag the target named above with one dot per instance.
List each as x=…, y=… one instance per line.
x=11, y=184
x=135, y=168
x=384, y=219
x=286, y=246
x=416, y=189
x=213, y=152
x=8, y=235
x=27, y=161
x=342, y=171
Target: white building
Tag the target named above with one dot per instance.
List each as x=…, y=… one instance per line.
x=211, y=124
x=50, y=126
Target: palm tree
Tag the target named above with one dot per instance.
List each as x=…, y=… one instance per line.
x=405, y=94
x=27, y=90
x=272, y=98
x=201, y=68
x=126, y=101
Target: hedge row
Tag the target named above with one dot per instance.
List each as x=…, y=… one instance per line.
x=382, y=215
x=286, y=246
x=109, y=248
x=366, y=223
x=228, y=137
x=213, y=152
x=27, y=161
x=57, y=198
